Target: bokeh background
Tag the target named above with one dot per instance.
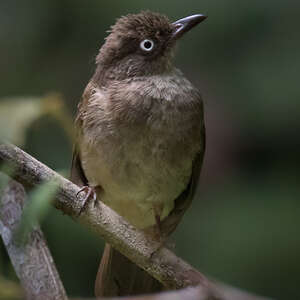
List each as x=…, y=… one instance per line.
x=243, y=226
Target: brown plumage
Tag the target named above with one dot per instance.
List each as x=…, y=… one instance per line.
x=141, y=137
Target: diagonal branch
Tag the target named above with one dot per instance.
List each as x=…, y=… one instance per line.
x=161, y=263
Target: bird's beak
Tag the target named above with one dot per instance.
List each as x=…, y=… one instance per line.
x=184, y=25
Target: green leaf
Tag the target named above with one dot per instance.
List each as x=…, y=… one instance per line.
x=35, y=209
x=6, y=173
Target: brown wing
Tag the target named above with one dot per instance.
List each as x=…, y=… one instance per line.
x=184, y=200
x=77, y=173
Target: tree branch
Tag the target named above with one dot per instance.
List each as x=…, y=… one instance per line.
x=32, y=261
x=161, y=263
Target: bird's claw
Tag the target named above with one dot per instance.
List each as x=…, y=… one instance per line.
x=90, y=194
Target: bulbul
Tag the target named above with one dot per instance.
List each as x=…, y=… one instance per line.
x=140, y=138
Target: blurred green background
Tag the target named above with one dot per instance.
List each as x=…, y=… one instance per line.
x=243, y=227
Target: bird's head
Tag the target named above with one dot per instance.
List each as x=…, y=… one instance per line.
x=141, y=44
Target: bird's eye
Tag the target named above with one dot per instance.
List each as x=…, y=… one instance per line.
x=147, y=45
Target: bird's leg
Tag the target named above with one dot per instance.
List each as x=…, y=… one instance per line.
x=158, y=225
x=90, y=194
x=158, y=209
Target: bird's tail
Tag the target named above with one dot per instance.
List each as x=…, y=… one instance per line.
x=118, y=276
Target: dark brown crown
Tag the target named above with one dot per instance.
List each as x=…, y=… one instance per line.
x=145, y=24
x=125, y=36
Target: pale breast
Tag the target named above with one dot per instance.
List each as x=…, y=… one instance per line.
x=140, y=145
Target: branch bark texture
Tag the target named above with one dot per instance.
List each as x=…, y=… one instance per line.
x=32, y=260
x=159, y=262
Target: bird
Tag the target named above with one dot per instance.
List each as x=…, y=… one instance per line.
x=140, y=138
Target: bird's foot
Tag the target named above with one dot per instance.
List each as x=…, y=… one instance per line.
x=90, y=194
x=162, y=242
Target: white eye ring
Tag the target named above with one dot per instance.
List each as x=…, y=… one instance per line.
x=147, y=45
